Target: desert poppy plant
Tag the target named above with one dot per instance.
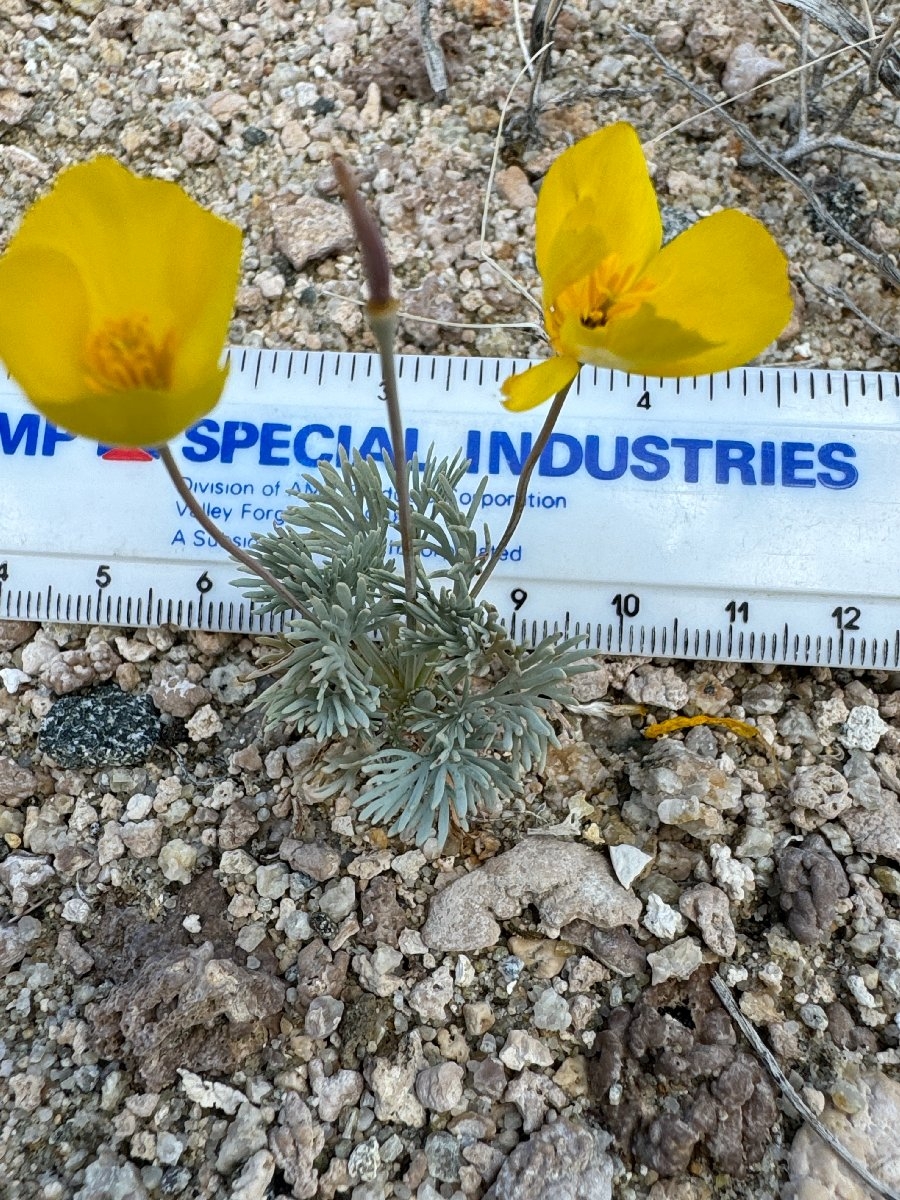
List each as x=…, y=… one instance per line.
x=614, y=296
x=115, y=298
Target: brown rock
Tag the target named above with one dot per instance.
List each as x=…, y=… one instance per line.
x=308, y=230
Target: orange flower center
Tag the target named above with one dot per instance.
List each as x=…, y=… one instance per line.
x=609, y=293
x=123, y=356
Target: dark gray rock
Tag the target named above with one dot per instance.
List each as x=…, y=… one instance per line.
x=812, y=881
x=103, y=728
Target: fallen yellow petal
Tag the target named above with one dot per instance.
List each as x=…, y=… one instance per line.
x=538, y=383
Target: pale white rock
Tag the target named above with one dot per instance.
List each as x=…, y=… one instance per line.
x=76, y=910
x=339, y=899
x=464, y=972
x=253, y=1181
x=376, y=971
x=392, y=1083
x=13, y=679
x=440, y=1088
x=177, y=860
x=24, y=874
x=430, y=997
x=409, y=866
x=551, y=1012
x=863, y=729
x=661, y=919
x=210, y=1094
x=246, y=1135
x=746, y=68
x=337, y=1092
x=521, y=1050
x=205, y=723
x=272, y=880
x=819, y=794
x=708, y=908
x=676, y=961
x=628, y=862
x=138, y=807
x=237, y=862
x=870, y=1132
x=734, y=877
x=566, y=881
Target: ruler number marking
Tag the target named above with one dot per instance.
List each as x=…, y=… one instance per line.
x=737, y=609
x=518, y=597
x=103, y=578
x=204, y=584
x=627, y=605
x=846, y=617
x=4, y=572
x=644, y=401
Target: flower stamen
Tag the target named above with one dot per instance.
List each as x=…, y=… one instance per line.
x=122, y=355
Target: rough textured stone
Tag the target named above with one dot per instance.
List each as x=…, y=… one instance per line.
x=295, y=1143
x=440, y=1087
x=315, y=859
x=747, y=67
x=308, y=229
x=565, y=1161
x=812, y=881
x=819, y=794
x=684, y=789
x=24, y=874
x=870, y=1133
x=16, y=783
x=105, y=728
x=186, y=1008
x=15, y=940
x=664, y=1072
x=566, y=881
x=337, y=1092
x=708, y=908
x=392, y=1083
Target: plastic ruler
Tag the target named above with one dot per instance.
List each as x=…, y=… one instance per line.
x=749, y=516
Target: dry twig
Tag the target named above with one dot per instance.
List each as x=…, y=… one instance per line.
x=881, y=262
x=434, y=56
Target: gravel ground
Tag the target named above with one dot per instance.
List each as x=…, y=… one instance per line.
x=214, y=985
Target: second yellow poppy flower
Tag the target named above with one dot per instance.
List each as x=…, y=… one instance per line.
x=614, y=296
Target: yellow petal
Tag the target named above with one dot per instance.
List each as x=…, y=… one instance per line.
x=136, y=418
x=537, y=384
x=596, y=199
x=43, y=323
x=723, y=284
x=643, y=344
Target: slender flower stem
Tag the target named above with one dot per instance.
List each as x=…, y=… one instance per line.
x=522, y=490
x=381, y=312
x=383, y=325
x=225, y=542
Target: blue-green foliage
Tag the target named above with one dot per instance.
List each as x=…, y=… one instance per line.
x=429, y=707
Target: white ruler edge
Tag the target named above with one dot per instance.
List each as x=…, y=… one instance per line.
x=749, y=516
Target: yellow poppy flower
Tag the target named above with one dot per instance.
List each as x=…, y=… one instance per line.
x=614, y=296
x=115, y=298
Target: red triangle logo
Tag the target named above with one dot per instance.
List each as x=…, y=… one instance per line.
x=127, y=454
